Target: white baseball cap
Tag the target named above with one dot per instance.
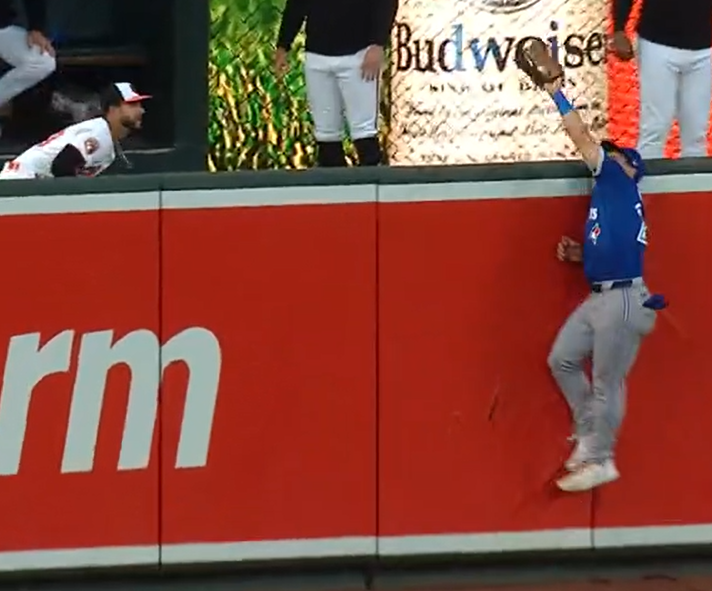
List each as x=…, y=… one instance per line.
x=129, y=94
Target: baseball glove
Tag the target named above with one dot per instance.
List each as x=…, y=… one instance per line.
x=533, y=58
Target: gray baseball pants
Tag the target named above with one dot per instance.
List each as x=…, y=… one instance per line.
x=608, y=328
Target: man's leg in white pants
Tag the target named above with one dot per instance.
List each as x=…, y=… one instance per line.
x=326, y=109
x=695, y=101
x=29, y=65
x=361, y=102
x=659, y=83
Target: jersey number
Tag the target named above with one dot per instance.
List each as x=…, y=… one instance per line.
x=643, y=231
x=643, y=234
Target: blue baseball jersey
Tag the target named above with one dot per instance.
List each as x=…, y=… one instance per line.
x=615, y=234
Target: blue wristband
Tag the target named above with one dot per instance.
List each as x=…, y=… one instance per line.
x=562, y=103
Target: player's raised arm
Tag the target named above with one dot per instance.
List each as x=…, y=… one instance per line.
x=576, y=128
x=533, y=59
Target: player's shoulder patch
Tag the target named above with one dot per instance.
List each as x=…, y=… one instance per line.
x=91, y=145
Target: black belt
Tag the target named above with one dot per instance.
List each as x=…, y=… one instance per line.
x=598, y=287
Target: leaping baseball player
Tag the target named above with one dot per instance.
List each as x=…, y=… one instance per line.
x=610, y=324
x=86, y=148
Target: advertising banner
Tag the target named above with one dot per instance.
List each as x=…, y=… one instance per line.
x=293, y=447
x=79, y=460
x=324, y=372
x=451, y=92
x=457, y=95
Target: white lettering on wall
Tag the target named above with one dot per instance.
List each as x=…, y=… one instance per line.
x=27, y=363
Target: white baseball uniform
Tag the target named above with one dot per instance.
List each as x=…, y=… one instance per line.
x=92, y=138
x=675, y=72
x=675, y=83
x=338, y=35
x=337, y=90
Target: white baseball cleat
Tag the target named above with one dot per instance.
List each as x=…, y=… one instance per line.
x=589, y=476
x=578, y=456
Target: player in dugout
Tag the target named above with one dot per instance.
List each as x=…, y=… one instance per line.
x=86, y=148
x=345, y=47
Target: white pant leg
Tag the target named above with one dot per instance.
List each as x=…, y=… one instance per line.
x=695, y=102
x=324, y=97
x=360, y=97
x=659, y=83
x=29, y=65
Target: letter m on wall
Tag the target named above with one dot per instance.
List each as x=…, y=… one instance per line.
x=27, y=363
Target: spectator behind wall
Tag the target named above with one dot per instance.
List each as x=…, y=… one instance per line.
x=345, y=48
x=675, y=71
x=27, y=51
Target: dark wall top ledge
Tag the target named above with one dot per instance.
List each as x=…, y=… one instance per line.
x=329, y=177
x=415, y=175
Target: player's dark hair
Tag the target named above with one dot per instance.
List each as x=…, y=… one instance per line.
x=612, y=147
x=110, y=97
